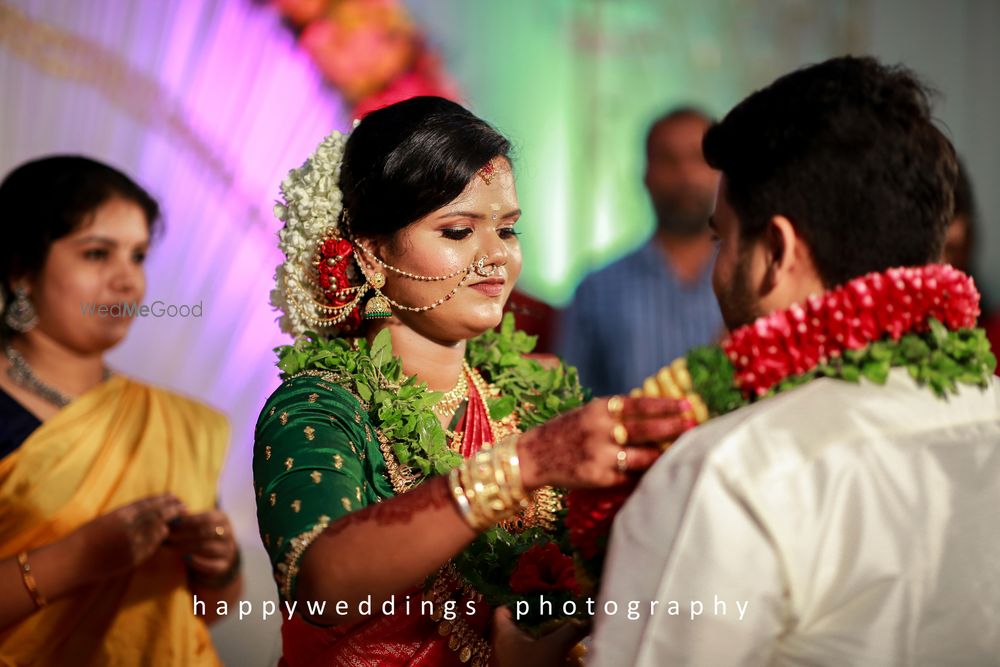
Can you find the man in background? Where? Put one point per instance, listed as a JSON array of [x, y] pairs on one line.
[[639, 313]]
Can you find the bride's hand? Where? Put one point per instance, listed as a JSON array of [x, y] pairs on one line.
[[597, 445], [511, 646]]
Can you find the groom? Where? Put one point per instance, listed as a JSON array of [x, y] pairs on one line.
[[836, 523]]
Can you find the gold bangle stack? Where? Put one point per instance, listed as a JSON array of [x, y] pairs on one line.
[[487, 488], [29, 580]]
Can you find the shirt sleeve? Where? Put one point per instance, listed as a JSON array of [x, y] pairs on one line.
[[697, 567], [309, 469]]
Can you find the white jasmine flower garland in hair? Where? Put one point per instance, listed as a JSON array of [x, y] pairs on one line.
[[311, 205]]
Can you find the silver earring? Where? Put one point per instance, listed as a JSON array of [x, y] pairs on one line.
[[21, 316]]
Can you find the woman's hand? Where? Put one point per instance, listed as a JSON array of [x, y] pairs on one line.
[[207, 541], [511, 646], [126, 537], [597, 445]]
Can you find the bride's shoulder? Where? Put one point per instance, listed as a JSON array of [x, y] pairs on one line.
[[311, 391]]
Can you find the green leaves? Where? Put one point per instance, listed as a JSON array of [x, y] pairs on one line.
[[533, 392], [712, 377], [363, 390], [943, 359], [381, 348], [500, 407], [939, 359]]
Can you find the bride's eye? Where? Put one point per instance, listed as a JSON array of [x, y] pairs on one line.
[[456, 234], [508, 233]]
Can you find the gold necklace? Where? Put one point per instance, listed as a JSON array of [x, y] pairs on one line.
[[453, 397]]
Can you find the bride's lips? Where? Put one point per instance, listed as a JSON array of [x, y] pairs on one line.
[[490, 286]]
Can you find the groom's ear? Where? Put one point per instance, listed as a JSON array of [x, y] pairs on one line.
[[790, 270], [783, 248]]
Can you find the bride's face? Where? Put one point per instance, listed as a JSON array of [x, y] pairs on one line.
[[479, 223]]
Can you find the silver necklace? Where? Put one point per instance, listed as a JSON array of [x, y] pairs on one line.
[[22, 375]]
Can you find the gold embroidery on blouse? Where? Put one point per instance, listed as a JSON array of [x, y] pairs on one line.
[[289, 462], [281, 540], [346, 502], [310, 432], [338, 461], [273, 498], [296, 505], [324, 386], [289, 569], [357, 417], [403, 478], [357, 492], [283, 417], [267, 540], [260, 491], [267, 452], [316, 476], [312, 397], [271, 413], [368, 433]]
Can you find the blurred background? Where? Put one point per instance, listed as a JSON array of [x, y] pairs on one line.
[[208, 103]]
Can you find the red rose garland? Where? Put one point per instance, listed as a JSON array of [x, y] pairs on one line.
[[850, 317], [544, 568], [589, 513], [795, 341]]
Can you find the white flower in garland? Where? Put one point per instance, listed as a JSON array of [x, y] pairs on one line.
[[310, 207]]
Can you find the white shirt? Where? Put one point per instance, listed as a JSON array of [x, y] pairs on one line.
[[856, 524]]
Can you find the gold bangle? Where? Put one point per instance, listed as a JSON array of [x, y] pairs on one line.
[[506, 452], [29, 580], [458, 492], [487, 487]]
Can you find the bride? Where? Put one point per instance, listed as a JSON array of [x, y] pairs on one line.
[[368, 484]]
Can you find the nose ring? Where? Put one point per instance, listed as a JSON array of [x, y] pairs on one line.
[[482, 269]]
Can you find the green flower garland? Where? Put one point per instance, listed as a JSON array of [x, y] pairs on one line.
[[939, 359], [401, 409]]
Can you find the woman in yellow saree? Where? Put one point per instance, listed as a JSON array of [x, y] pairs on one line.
[[401, 251], [108, 518]]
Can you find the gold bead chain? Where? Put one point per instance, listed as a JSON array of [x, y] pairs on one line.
[[432, 306], [407, 274]]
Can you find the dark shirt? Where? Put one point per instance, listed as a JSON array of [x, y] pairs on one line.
[[16, 424]]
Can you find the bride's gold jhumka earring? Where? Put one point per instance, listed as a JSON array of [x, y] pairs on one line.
[[377, 306]]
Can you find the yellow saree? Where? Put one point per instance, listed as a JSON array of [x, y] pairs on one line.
[[116, 444]]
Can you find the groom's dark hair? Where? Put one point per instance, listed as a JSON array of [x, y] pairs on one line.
[[847, 150]]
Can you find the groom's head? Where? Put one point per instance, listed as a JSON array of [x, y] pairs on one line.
[[831, 172]]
